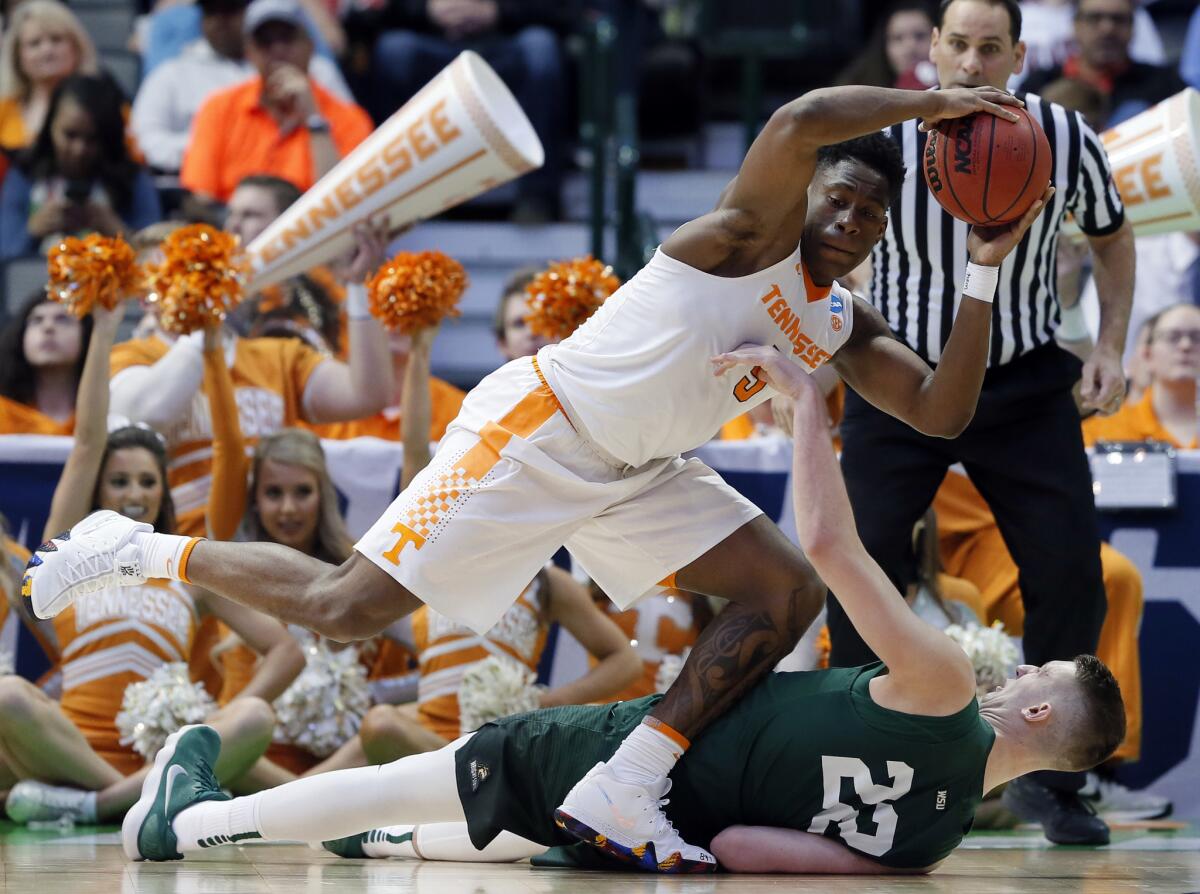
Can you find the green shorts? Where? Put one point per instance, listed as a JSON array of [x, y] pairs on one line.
[[514, 773]]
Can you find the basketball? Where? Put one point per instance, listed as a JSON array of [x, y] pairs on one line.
[[986, 170]]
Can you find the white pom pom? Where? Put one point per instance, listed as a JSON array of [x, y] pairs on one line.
[[325, 705], [159, 705], [992, 652], [669, 668], [493, 688]]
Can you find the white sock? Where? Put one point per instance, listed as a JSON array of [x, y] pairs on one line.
[[87, 808], [447, 841], [163, 554], [212, 823], [648, 753], [392, 841], [331, 805]]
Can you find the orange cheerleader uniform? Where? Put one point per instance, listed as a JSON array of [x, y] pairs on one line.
[[447, 650], [269, 376], [387, 424], [113, 638], [658, 625]]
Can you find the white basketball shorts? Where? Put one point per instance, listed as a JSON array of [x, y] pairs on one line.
[[512, 481]]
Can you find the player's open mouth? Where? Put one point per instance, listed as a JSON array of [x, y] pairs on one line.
[[133, 511]]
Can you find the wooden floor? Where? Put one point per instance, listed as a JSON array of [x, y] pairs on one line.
[[89, 861]]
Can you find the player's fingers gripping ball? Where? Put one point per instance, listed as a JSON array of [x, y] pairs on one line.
[[199, 280], [986, 170], [95, 270], [566, 293], [416, 290]]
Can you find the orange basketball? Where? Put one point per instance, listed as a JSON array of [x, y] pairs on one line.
[[986, 170]]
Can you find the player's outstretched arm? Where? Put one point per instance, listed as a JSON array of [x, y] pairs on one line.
[[930, 664], [766, 202], [771, 849], [886, 372]]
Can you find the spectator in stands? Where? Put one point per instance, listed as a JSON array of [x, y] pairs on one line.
[[171, 95], [1168, 273], [78, 176], [175, 24], [518, 40], [277, 383], [897, 52], [279, 122], [1103, 33], [1167, 409], [308, 306], [45, 43], [1189, 57], [41, 358], [1049, 37]]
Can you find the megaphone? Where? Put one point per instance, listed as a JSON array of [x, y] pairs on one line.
[[1155, 160], [460, 136]]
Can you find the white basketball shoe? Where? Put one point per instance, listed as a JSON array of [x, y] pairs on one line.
[[97, 553], [626, 821]]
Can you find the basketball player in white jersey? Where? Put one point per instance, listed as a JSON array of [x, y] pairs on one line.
[[581, 446]]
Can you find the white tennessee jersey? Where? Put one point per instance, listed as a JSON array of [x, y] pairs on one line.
[[637, 375]]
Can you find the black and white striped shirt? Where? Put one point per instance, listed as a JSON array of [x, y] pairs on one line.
[[920, 262]]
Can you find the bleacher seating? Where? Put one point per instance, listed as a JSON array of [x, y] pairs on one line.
[[18, 278]]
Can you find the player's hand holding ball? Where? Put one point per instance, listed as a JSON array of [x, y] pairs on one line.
[[958, 102], [988, 246]]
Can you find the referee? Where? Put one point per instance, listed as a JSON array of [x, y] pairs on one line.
[[1023, 449]]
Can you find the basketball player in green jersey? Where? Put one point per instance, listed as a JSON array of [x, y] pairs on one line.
[[859, 770]]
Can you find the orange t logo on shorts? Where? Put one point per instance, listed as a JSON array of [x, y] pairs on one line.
[[407, 536]]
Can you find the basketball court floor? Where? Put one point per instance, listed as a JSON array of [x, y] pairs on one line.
[[89, 860]]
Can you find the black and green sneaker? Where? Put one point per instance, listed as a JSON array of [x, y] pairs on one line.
[[352, 848], [181, 776]]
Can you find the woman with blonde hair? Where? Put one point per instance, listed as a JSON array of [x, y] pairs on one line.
[[69, 754], [44, 44]]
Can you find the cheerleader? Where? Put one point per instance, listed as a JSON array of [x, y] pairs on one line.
[[68, 754], [41, 359]]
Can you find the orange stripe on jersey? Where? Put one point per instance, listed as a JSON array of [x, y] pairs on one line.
[[426, 511]]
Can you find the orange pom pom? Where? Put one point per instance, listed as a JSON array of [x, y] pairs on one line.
[[200, 278], [416, 290], [567, 293], [93, 270]]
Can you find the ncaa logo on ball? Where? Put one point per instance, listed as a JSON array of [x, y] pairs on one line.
[[962, 146]]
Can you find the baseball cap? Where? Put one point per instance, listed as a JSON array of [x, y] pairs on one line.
[[262, 11]]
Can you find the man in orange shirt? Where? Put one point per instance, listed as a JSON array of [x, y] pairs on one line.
[[280, 122]]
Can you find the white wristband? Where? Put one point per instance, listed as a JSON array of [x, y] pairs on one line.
[[980, 282], [1073, 326], [356, 305]]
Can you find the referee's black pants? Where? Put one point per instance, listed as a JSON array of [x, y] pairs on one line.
[[1024, 452]]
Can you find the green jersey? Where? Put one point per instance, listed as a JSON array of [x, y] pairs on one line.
[[808, 751]]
